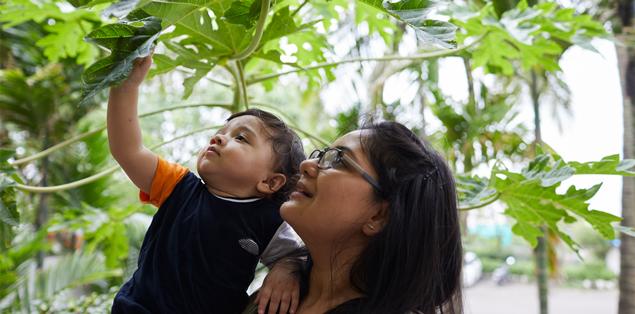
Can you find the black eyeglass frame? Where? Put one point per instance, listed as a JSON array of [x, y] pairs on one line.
[[341, 157]]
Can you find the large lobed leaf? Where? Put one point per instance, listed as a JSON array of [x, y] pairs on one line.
[[63, 38], [127, 42], [415, 14], [532, 199], [528, 36]]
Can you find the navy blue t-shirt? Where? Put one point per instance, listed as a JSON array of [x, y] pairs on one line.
[[199, 254]]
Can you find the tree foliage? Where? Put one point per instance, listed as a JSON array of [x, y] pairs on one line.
[[261, 45]]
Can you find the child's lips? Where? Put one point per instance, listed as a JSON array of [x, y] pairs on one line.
[[213, 150]]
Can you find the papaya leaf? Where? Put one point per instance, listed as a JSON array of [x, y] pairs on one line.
[[527, 231], [243, 12], [282, 24], [473, 191], [415, 14], [378, 23], [122, 8], [189, 82], [133, 41], [163, 64], [541, 169], [609, 165], [200, 22], [87, 3], [174, 12], [532, 199]]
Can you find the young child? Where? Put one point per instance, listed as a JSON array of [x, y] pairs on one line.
[[201, 249]]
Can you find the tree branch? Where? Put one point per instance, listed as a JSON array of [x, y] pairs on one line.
[[430, 55], [292, 125], [107, 172], [79, 137]]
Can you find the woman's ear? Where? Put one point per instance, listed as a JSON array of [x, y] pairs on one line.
[[377, 221], [272, 184]]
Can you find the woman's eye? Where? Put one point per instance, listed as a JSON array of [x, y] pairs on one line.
[[338, 164]]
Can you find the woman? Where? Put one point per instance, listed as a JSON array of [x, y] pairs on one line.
[[377, 212]]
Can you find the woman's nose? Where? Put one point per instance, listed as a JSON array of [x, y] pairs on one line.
[[309, 167]]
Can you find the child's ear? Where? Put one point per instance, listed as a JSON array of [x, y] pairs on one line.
[[272, 184]]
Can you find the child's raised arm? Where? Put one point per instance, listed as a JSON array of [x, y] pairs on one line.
[[124, 134]]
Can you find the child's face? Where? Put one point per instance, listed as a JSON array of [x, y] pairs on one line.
[[239, 157]]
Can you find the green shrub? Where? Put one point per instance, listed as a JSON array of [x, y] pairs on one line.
[[590, 270]]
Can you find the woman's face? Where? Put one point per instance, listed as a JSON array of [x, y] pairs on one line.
[[332, 204]]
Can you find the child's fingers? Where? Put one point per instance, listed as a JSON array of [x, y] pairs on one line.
[[295, 301]]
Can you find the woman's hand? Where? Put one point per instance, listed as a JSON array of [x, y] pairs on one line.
[[280, 289]]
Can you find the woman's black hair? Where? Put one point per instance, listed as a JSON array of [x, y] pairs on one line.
[[414, 263], [287, 148]]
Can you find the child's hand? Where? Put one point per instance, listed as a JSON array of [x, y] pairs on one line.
[[140, 69], [280, 290]]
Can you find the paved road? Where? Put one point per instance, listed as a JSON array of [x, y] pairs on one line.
[[487, 298]]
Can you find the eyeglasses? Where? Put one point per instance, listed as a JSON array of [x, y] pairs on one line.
[[331, 157]]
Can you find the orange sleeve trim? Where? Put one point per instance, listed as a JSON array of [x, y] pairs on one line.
[[166, 176]]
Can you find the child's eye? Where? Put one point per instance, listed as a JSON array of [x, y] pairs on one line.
[[241, 138]]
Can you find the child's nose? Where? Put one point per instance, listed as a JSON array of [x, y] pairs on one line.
[[217, 139]]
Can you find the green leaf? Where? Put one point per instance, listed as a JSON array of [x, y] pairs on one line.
[[243, 12], [609, 165], [189, 82], [473, 191], [414, 13], [162, 64], [541, 169], [116, 67], [529, 202], [528, 232], [378, 23], [122, 8], [282, 24]]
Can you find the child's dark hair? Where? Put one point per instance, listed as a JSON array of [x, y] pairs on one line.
[[287, 148]]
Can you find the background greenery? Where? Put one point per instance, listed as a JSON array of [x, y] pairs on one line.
[[70, 224]]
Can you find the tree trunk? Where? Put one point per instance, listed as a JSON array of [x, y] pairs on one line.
[[41, 215], [626, 62], [540, 252]]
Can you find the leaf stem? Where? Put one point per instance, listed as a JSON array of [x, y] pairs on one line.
[[430, 55], [79, 137], [104, 173], [260, 29], [292, 125], [243, 85], [494, 199], [299, 8]]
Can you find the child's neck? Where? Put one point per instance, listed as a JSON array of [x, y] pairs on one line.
[[231, 194]]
